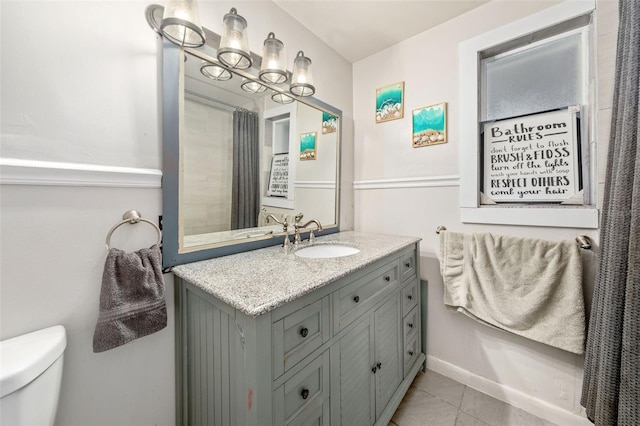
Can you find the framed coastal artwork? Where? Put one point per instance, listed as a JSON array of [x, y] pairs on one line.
[[329, 123], [430, 125], [308, 142], [390, 102]]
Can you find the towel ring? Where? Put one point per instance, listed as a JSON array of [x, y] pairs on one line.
[[131, 217]]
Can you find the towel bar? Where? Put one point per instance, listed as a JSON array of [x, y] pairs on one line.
[[583, 241], [131, 217]]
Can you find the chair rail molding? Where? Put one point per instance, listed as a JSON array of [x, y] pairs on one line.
[[15, 171], [413, 182]]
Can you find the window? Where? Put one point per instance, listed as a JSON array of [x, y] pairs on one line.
[[280, 169], [534, 69]]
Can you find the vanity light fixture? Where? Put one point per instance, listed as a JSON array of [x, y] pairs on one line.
[[252, 86], [281, 98], [178, 21], [215, 72], [234, 43], [302, 79], [273, 69], [181, 24]]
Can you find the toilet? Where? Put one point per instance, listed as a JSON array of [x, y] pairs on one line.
[[30, 377]]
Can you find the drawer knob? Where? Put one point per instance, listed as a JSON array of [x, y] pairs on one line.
[[379, 365], [304, 393], [410, 297], [387, 278], [408, 264], [356, 299], [410, 353], [374, 369], [304, 332], [410, 325]]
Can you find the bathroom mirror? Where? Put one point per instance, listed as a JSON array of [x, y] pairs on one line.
[[232, 157]]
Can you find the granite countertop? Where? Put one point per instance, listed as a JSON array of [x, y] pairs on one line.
[[258, 281]]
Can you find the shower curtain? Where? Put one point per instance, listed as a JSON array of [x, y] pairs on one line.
[[245, 201], [611, 389]]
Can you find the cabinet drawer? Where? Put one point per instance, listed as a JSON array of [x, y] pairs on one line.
[[304, 398], [410, 324], [408, 264], [409, 296], [298, 334], [411, 353], [353, 299], [314, 416]]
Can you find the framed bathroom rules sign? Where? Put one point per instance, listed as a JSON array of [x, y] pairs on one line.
[[533, 158], [279, 176]]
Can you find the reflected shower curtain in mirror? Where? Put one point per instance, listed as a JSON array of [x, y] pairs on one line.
[[245, 201], [611, 388]]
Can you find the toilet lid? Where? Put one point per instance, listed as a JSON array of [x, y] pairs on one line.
[[23, 358]]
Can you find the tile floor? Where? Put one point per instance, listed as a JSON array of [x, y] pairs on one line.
[[436, 400]]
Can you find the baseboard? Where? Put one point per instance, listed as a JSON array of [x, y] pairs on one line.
[[504, 393]]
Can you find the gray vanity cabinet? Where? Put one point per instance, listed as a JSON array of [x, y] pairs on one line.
[[344, 354], [368, 368]]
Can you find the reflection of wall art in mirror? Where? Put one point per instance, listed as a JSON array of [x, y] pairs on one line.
[[329, 123], [279, 176], [390, 102], [308, 146], [430, 125]]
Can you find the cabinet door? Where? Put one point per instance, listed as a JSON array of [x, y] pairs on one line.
[[352, 377], [388, 351]]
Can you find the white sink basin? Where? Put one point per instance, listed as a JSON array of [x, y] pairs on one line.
[[325, 251]]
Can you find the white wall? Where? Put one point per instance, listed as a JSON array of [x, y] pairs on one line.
[[410, 191], [80, 85], [312, 191]]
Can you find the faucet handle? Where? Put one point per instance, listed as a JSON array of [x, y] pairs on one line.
[[297, 218]]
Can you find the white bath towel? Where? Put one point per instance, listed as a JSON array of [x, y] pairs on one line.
[[529, 287]]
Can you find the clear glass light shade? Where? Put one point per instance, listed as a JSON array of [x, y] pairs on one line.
[[281, 98], [181, 24], [215, 72], [234, 43], [252, 86], [273, 69], [302, 79]]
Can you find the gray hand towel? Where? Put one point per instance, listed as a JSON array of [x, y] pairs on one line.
[[132, 301]]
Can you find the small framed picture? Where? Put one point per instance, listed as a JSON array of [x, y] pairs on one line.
[[329, 123], [430, 125], [308, 144], [390, 102]]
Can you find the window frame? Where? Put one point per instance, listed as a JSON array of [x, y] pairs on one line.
[[470, 52]]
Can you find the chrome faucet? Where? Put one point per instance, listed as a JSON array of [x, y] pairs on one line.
[[297, 227], [285, 227], [284, 223]]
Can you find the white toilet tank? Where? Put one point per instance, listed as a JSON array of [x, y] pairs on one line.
[[30, 377]]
